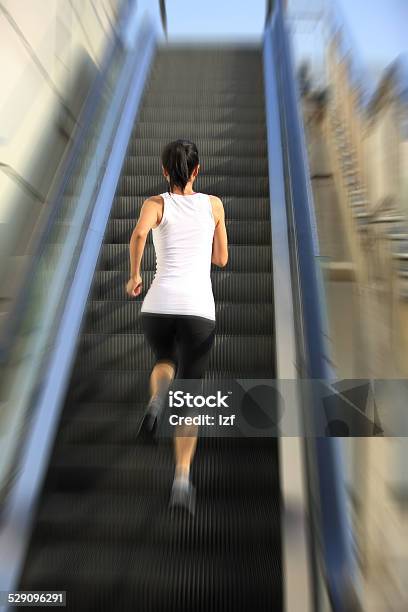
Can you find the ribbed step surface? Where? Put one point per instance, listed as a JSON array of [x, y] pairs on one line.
[[123, 317], [219, 165], [239, 232], [203, 114], [103, 532], [128, 352], [243, 287], [193, 98], [242, 257], [198, 130], [210, 183], [207, 146], [236, 207]]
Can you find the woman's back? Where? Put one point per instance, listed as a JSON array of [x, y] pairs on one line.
[[183, 245]]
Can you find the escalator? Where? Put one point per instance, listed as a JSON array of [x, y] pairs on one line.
[[103, 532]]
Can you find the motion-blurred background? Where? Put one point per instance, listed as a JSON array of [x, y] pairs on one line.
[[351, 69]]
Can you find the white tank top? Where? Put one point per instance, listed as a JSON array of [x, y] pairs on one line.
[[183, 245]]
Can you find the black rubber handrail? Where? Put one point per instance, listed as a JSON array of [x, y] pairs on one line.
[[163, 15], [269, 9]]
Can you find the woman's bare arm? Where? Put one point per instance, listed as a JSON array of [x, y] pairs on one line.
[[148, 218], [220, 240]]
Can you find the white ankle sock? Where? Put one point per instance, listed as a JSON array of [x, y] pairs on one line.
[[181, 478]]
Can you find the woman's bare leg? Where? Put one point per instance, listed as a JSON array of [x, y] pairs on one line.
[[185, 443], [161, 378], [183, 492]]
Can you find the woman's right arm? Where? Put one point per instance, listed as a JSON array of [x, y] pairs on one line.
[[220, 241], [147, 220]]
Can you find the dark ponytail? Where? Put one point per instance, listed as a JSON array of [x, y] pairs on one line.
[[179, 158]]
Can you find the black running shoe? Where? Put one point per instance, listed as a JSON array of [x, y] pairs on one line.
[[148, 424]]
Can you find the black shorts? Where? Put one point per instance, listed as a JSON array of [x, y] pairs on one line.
[[183, 340]]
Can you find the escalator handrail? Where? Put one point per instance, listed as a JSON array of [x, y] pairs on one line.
[[314, 359], [163, 15], [61, 181]]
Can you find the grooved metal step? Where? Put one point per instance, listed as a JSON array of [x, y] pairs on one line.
[[236, 207], [215, 165], [206, 146], [115, 577], [202, 113], [128, 352], [242, 258], [239, 287], [123, 317], [134, 463], [114, 524], [210, 86], [194, 98], [212, 184], [193, 130], [119, 231]]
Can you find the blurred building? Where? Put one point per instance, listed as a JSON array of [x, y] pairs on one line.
[[356, 121], [50, 56]]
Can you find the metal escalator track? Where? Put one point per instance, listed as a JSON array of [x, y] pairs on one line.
[[103, 532]]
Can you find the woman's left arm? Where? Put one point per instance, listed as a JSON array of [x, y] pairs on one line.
[[148, 218]]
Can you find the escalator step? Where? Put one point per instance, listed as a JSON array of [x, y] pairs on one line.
[[100, 413], [216, 165], [123, 317], [195, 99], [108, 387], [206, 146], [129, 352], [212, 184], [226, 114], [117, 466], [210, 68], [241, 258], [69, 517], [235, 207], [117, 431], [205, 79], [240, 287], [124, 578], [201, 53], [215, 86], [119, 231], [193, 130]]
